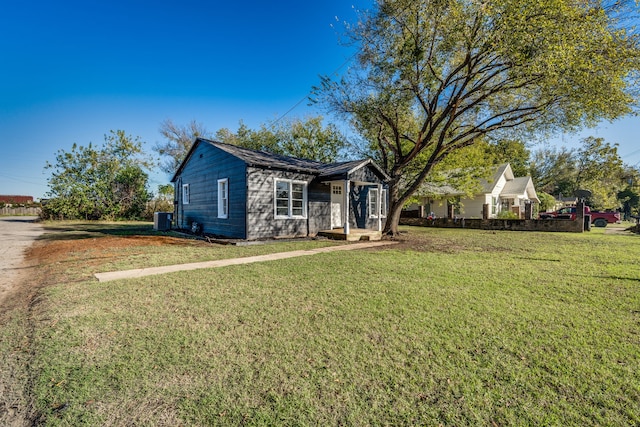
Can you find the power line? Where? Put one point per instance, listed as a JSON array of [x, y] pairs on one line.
[[632, 153], [335, 72], [273, 123], [13, 178]]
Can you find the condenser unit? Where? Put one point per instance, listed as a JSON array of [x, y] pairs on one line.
[[162, 221]]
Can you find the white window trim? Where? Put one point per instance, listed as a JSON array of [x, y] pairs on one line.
[[290, 215], [383, 200], [186, 194], [373, 210], [223, 198]]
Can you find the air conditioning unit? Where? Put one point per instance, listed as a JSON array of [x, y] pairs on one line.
[[162, 221]]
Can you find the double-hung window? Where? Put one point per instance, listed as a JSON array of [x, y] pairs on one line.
[[223, 198], [290, 199], [185, 194], [373, 203]]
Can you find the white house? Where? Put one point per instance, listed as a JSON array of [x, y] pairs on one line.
[[502, 192]]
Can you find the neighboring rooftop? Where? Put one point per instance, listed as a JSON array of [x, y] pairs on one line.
[[15, 199]]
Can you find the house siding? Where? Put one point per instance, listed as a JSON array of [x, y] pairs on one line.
[[319, 196], [472, 208], [206, 166], [261, 220], [359, 215]]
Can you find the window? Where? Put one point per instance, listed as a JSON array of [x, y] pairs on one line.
[[290, 199], [185, 194], [373, 203], [223, 198], [494, 205]]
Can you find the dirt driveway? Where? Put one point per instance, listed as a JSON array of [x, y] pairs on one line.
[[17, 233]]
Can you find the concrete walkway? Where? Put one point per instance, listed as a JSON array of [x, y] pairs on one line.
[[141, 272]]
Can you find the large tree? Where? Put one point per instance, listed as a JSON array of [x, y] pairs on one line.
[[553, 170], [106, 182], [433, 77], [513, 152], [307, 138], [601, 171], [595, 166]]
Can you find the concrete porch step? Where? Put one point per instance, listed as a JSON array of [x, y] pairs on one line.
[[354, 235]]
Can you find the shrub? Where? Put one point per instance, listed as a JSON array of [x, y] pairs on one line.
[[508, 215]]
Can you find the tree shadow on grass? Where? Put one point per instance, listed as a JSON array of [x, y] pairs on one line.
[[634, 279], [25, 219]]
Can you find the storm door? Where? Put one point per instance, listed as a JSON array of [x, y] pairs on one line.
[[337, 205]]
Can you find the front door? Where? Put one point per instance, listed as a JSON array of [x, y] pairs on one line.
[[337, 202]]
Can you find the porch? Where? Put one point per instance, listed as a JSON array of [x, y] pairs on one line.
[[357, 201], [354, 234]]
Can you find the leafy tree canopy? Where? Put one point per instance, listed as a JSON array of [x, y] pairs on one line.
[[510, 151], [594, 166], [303, 138], [547, 201], [553, 170], [165, 192], [107, 182], [433, 77]]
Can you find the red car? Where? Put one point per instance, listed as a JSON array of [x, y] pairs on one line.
[[598, 219]]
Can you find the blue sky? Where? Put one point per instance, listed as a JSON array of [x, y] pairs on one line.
[[73, 70]]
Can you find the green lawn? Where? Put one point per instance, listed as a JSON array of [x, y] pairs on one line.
[[461, 327]]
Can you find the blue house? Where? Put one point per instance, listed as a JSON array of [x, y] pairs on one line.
[[234, 192]]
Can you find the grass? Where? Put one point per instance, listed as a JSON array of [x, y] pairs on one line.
[[458, 327]]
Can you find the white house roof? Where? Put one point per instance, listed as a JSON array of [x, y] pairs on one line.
[[519, 187], [503, 169]]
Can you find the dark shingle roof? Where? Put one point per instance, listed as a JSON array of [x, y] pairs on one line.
[[277, 161], [265, 159]]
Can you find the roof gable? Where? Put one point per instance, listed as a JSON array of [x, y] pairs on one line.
[[520, 186], [504, 170], [344, 170]]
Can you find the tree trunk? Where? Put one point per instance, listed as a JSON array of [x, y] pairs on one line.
[[395, 208], [393, 219]]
